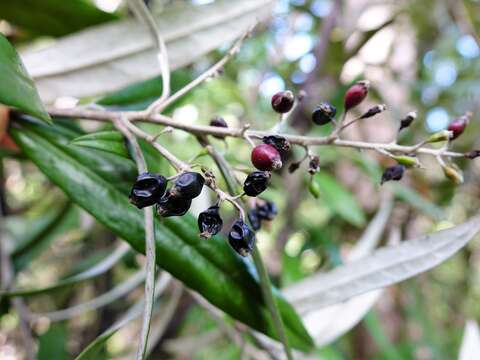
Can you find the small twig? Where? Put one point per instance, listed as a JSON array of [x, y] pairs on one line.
[[142, 12], [159, 106], [122, 126]]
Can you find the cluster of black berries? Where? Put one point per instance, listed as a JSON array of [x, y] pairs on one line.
[[263, 211], [151, 189]]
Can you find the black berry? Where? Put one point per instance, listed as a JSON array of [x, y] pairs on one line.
[[254, 219], [278, 142], [209, 222], [407, 120], [266, 211], [170, 205], [394, 173], [188, 185], [241, 238], [282, 102], [147, 189], [218, 121], [323, 113], [256, 183]]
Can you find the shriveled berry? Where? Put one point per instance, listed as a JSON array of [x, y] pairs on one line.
[[241, 238], [218, 122], [265, 157], [282, 102], [407, 120], [188, 185], [266, 211], [278, 142], [457, 126], [293, 167], [323, 113], [314, 165], [356, 94], [472, 154], [254, 219], [394, 173], [209, 222], [170, 205], [147, 189], [377, 109], [256, 183]]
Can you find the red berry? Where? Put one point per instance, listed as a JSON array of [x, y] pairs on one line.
[[355, 94], [266, 158], [282, 102], [457, 126]]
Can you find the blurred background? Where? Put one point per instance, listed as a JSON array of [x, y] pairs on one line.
[[418, 55]]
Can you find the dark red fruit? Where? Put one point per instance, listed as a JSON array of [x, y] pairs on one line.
[[323, 113], [209, 222], [282, 102], [218, 121], [394, 173], [256, 183], [170, 205], [457, 126], [266, 158], [356, 94], [241, 238], [188, 185], [147, 190]]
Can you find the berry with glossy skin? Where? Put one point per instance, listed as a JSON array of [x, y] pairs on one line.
[[170, 205], [282, 102], [256, 183], [394, 173], [209, 222], [266, 211], [356, 94], [254, 219], [147, 189], [218, 121], [323, 113], [266, 158], [188, 185], [241, 238], [457, 126], [278, 142]]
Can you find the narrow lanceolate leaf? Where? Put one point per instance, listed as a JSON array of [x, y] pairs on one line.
[[386, 266], [109, 141], [208, 267], [16, 86], [110, 56]]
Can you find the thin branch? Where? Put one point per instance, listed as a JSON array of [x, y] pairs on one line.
[[122, 126], [143, 14], [212, 71]]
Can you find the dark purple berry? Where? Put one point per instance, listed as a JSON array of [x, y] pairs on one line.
[[209, 222], [170, 205], [254, 219], [241, 238], [314, 165], [407, 120], [266, 211], [356, 94], [323, 113], [188, 185], [256, 183], [147, 189], [265, 157], [278, 142], [218, 121], [282, 102], [394, 173]]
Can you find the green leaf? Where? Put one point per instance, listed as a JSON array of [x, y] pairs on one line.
[[339, 200], [53, 344], [208, 267], [53, 17], [17, 88], [109, 141]]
